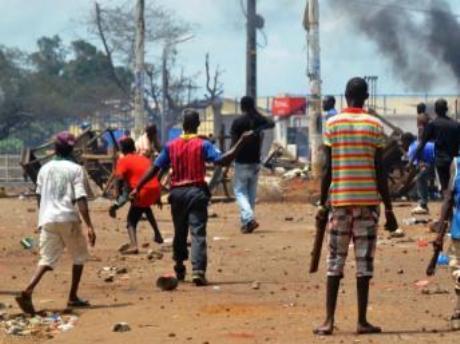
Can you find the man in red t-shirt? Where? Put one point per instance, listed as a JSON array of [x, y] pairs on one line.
[[189, 196], [129, 171]]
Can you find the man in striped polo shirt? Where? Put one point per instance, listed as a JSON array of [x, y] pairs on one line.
[[355, 183], [189, 196]]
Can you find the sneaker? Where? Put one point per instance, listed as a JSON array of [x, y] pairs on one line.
[[420, 210], [180, 271], [249, 227], [199, 279]]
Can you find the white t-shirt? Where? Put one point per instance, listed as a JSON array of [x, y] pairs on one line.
[[60, 183]]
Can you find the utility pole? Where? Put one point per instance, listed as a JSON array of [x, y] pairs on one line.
[[311, 25], [165, 87], [251, 49], [139, 111]]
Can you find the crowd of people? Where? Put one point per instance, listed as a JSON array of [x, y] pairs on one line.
[[353, 185]]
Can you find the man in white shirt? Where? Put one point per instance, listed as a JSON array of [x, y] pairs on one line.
[[148, 144], [61, 185]]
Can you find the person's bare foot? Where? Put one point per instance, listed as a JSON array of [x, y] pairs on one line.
[[24, 302], [367, 328], [324, 330]]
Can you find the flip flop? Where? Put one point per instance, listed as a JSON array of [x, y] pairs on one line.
[[78, 303], [368, 330], [24, 302], [323, 332]]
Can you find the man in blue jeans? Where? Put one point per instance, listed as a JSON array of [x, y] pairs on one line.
[[247, 162], [426, 170]]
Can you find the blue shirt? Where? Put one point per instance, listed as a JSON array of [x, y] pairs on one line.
[[427, 156], [330, 113], [210, 153]]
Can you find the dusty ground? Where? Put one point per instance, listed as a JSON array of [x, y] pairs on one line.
[[287, 306]]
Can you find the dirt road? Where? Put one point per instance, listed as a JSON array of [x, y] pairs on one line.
[[284, 309]]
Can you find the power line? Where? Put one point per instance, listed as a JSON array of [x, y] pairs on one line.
[[404, 8]]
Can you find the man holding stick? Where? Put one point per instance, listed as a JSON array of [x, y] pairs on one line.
[[450, 213], [355, 183]]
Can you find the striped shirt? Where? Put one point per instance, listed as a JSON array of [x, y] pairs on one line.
[[354, 137]]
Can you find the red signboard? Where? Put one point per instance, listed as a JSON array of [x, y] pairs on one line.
[[288, 106]]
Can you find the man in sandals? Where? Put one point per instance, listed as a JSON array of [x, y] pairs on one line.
[[130, 169], [61, 185], [189, 196], [355, 182]]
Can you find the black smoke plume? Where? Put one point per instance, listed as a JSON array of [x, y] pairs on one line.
[[418, 45]]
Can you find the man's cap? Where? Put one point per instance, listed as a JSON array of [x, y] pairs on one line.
[[66, 138]]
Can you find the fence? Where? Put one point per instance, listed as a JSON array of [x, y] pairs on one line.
[[10, 170]]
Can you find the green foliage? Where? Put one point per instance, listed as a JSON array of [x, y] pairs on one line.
[[52, 87]]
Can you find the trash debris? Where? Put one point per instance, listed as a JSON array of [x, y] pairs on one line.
[[124, 247], [154, 255], [218, 238], [167, 282], [422, 283], [216, 288], [121, 271], [411, 221], [399, 233], [437, 291], [422, 243], [255, 285], [27, 243], [40, 325], [443, 259], [121, 327]]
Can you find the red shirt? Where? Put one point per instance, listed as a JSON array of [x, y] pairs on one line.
[[187, 162], [131, 168]]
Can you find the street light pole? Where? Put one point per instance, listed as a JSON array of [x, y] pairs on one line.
[[311, 24], [251, 49]]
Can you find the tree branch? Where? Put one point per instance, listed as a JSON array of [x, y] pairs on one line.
[[107, 50]]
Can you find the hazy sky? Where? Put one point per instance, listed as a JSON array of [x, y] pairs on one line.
[[220, 31]]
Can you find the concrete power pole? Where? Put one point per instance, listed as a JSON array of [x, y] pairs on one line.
[[139, 110], [165, 87], [251, 49], [311, 24]]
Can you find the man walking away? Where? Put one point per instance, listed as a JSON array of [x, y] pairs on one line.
[[445, 133], [61, 184], [129, 171], [422, 119], [189, 196], [425, 167], [329, 107], [355, 181], [247, 162], [148, 144]]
